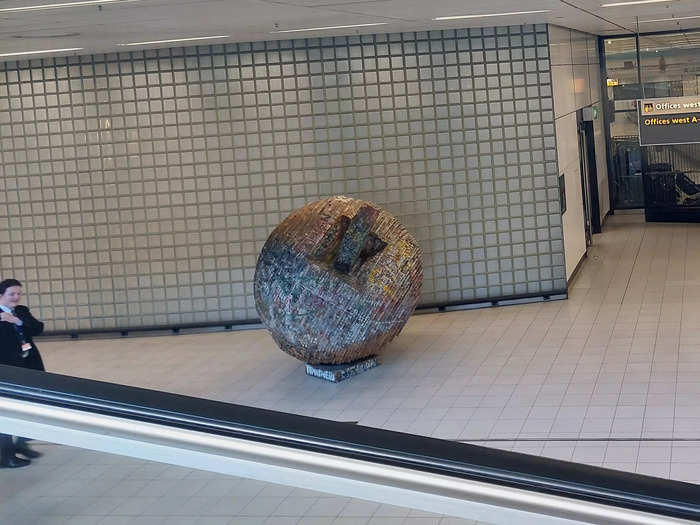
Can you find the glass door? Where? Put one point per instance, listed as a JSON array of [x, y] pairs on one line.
[[623, 89]]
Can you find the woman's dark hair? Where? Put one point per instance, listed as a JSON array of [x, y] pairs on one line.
[[8, 283]]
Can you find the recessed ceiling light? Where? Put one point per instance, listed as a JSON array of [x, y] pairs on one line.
[[171, 40], [42, 51], [327, 27], [634, 2], [669, 19], [61, 5], [487, 15]]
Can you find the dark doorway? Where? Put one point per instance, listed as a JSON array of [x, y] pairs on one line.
[[589, 174]]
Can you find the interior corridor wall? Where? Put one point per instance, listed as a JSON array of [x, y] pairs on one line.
[[576, 84], [141, 186]]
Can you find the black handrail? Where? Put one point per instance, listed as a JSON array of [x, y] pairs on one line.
[[572, 480]]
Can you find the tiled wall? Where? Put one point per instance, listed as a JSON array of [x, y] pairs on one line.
[[140, 187], [576, 82]]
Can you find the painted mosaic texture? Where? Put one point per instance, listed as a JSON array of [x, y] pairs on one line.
[[337, 280]]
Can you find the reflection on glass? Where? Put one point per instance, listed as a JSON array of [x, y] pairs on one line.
[[670, 64], [73, 486], [621, 67], [670, 68]]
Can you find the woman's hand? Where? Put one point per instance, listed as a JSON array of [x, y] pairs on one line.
[[9, 318]]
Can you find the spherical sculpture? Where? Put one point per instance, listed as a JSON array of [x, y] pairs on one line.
[[337, 280]]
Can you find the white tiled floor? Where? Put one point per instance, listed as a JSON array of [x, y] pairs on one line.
[[608, 377]]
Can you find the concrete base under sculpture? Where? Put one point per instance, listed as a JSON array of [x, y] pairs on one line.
[[336, 373]]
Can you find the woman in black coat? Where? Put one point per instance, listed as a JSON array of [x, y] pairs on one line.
[[17, 348]]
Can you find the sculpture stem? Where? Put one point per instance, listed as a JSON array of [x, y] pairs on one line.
[[354, 240]]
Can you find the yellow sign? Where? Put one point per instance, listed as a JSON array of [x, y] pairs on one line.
[[669, 121], [613, 82]]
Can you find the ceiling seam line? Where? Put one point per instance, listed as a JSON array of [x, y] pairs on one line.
[[597, 16]]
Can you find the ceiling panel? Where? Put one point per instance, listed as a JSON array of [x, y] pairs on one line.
[[99, 29]]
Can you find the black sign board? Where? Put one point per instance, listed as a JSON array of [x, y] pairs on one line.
[[669, 121]]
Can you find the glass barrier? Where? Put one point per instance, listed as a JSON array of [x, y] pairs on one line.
[[623, 90], [621, 68], [670, 64], [346, 461], [503, 379]]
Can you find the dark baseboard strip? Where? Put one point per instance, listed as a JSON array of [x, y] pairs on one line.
[[488, 302], [577, 440], [255, 324], [247, 324]]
